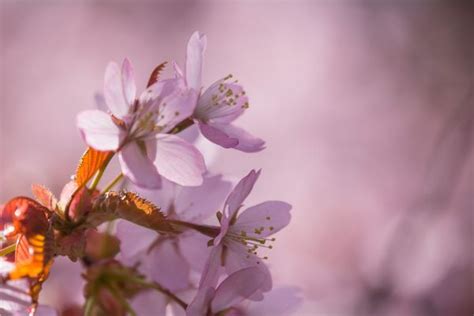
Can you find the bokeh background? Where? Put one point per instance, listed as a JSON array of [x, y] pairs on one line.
[[366, 106]]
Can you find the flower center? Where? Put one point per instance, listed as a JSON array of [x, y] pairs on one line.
[[252, 242], [222, 94]]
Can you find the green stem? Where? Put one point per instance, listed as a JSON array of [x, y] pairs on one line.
[[7, 250], [161, 289], [122, 300], [113, 183], [168, 293], [99, 175], [89, 305], [209, 231]]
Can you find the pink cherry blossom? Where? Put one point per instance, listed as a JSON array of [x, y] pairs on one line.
[[221, 104], [242, 236], [137, 128], [150, 302], [237, 287], [169, 260]]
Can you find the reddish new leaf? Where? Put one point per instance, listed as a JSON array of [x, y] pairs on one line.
[[90, 163], [33, 260], [155, 75], [22, 251], [44, 196], [35, 244], [133, 208]]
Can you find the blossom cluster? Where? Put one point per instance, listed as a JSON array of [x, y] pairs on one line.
[[156, 246]]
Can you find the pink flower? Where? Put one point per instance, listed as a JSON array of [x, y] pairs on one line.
[[169, 260], [221, 104], [233, 290], [241, 236], [137, 129]]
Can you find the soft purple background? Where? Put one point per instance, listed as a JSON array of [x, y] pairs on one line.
[[366, 107]]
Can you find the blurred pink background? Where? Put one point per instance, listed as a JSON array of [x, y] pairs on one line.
[[367, 109]]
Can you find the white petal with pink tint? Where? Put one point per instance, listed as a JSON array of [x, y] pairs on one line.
[[99, 131], [133, 240], [178, 160], [195, 204], [113, 91], [200, 304], [176, 107], [222, 102], [149, 303], [194, 59], [138, 167], [217, 136], [238, 258], [271, 215], [168, 267], [236, 288], [240, 193], [212, 268], [246, 142], [194, 248], [128, 82]]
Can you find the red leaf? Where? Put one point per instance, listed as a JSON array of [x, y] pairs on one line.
[[133, 208], [90, 163], [44, 196], [156, 74]]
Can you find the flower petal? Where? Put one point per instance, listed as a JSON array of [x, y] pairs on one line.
[[190, 134], [222, 102], [271, 215], [152, 98], [194, 248], [239, 194], [149, 303], [212, 268], [113, 91], [200, 304], [237, 258], [217, 136], [134, 239], [138, 167], [236, 288], [99, 131], [178, 160], [194, 59], [194, 204], [168, 267], [247, 142], [176, 107], [128, 82]]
